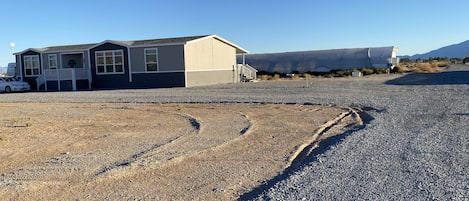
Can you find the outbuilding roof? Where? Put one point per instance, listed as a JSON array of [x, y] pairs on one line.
[[134, 43]]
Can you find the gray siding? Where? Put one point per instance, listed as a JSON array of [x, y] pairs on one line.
[[170, 58], [45, 59]]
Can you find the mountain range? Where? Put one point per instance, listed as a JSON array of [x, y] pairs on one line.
[[459, 50]]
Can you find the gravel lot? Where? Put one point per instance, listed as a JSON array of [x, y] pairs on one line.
[[415, 146]]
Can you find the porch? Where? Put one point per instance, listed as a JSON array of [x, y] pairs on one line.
[[247, 72], [62, 79]]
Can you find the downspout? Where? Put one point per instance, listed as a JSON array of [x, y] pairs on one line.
[[21, 65], [241, 75], [185, 63], [233, 74], [90, 76], [42, 63], [130, 64], [43, 73], [58, 70]]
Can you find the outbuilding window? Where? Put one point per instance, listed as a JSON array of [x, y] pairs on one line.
[[151, 59], [109, 62], [31, 65]]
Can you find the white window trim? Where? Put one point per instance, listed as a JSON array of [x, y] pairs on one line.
[[157, 60], [32, 68], [50, 59], [113, 64]]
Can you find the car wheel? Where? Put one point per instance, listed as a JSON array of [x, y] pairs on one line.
[[7, 89]]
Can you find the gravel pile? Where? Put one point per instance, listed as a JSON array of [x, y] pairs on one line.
[[415, 148]]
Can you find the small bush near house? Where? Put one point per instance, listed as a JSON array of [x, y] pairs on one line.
[[340, 73], [381, 70], [466, 59], [276, 77], [397, 69], [367, 71], [443, 64], [296, 77], [426, 67], [264, 77], [307, 76]]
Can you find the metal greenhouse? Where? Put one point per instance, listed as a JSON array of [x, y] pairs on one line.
[[325, 60]]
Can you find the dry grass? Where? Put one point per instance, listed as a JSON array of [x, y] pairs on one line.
[[426, 67], [429, 67], [263, 77], [276, 77], [269, 77], [5, 138]]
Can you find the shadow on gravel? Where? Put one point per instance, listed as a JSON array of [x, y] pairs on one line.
[[443, 78], [324, 146]]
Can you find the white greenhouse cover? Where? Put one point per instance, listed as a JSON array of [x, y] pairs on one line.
[[323, 60]]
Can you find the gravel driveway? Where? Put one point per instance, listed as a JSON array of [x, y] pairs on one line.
[[415, 146]]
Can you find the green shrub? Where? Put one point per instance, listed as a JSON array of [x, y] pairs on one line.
[[381, 70], [276, 77], [397, 69], [264, 77], [296, 77], [340, 73], [443, 64], [367, 71]]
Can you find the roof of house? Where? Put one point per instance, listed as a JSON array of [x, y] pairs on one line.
[[162, 40], [134, 43], [64, 48]]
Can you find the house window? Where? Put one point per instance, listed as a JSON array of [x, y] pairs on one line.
[[110, 62], [52, 61], [151, 59], [31, 65]]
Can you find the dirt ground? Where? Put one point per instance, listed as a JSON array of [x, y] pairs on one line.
[[77, 151]]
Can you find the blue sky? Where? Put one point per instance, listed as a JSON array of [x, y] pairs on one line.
[[260, 26]]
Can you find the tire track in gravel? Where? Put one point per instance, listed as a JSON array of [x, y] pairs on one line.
[[322, 138], [312, 143], [236, 166], [60, 168], [162, 153], [147, 153]]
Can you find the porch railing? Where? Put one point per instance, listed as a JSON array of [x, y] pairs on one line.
[[58, 75], [247, 72]]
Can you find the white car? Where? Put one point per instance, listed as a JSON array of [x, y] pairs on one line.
[[9, 84]]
